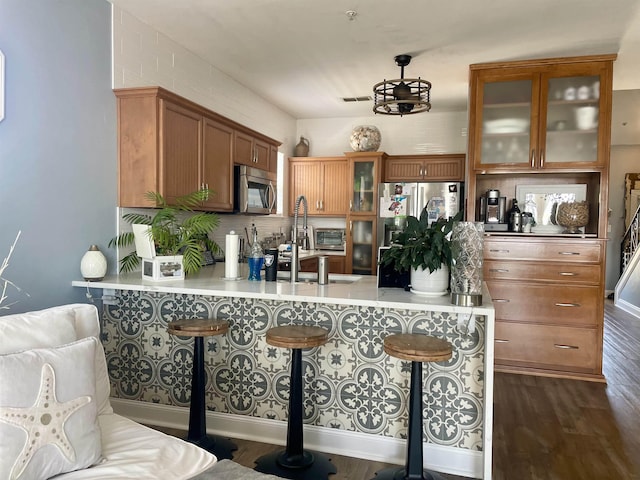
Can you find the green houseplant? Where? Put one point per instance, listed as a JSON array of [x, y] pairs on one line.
[[422, 246], [175, 230]]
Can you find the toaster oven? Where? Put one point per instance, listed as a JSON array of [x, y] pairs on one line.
[[329, 238]]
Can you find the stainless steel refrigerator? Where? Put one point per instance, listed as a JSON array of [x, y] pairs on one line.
[[398, 200]]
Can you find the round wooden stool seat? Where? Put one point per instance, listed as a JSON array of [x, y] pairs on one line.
[[297, 336], [417, 347], [198, 327]]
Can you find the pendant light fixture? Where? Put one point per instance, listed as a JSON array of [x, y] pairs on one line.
[[403, 96]]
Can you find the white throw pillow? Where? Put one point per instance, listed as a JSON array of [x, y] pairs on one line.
[[48, 411], [42, 329]]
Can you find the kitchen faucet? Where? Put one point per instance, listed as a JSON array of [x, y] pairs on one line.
[[294, 236]]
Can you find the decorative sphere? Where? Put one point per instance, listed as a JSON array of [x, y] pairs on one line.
[[365, 138]]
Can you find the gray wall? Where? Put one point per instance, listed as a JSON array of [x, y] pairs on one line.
[[57, 145]]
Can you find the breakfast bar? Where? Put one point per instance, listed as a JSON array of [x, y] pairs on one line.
[[355, 394]]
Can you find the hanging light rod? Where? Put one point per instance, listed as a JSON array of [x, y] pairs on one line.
[[403, 96]]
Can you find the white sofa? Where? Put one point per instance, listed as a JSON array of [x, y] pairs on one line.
[[55, 414]]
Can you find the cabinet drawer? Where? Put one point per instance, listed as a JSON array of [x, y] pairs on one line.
[[577, 273], [543, 250], [543, 346], [551, 304]]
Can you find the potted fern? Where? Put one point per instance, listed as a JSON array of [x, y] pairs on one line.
[[424, 250], [174, 231]]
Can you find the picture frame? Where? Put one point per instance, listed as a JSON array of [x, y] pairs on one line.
[[542, 202]]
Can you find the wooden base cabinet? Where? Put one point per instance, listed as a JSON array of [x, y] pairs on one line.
[[549, 300]]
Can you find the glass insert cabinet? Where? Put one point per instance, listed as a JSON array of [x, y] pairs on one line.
[[539, 118]]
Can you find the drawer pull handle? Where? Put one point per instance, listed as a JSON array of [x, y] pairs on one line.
[[500, 340], [499, 270], [567, 304], [569, 253], [501, 300], [566, 347], [568, 274], [498, 251]]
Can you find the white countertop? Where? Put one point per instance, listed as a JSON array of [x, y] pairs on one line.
[[362, 290]]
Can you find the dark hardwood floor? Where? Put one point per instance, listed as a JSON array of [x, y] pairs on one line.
[[548, 428]]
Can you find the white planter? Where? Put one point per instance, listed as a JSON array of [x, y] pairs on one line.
[[164, 267], [430, 284]]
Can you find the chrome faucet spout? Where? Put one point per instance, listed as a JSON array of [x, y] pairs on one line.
[[294, 237]]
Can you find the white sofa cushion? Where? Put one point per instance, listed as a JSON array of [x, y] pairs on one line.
[[48, 411], [58, 326]]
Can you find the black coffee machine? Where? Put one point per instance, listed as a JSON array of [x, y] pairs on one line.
[[493, 211]]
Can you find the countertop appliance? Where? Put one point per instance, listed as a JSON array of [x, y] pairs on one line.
[[330, 239], [398, 200], [254, 190]]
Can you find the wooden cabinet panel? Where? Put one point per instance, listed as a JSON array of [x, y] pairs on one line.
[[336, 264], [181, 147], [323, 182], [544, 250], [250, 151], [547, 272], [217, 167], [420, 168], [539, 303], [309, 265], [549, 347], [335, 192]]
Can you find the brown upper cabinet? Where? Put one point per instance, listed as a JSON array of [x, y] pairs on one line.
[[170, 145], [323, 182], [541, 115], [424, 168], [253, 152]]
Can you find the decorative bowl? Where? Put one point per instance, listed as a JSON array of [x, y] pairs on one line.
[[365, 138], [573, 216]]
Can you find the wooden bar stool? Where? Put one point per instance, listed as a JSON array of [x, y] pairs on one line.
[[416, 348], [198, 328], [294, 462]]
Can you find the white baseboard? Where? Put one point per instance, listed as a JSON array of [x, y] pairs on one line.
[[628, 307], [456, 461]]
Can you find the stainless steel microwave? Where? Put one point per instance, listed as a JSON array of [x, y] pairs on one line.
[[254, 190], [329, 238]]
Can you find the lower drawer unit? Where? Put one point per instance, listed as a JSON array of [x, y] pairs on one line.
[[547, 347], [534, 303], [577, 273]]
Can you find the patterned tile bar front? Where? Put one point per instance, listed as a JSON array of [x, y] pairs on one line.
[[350, 383]]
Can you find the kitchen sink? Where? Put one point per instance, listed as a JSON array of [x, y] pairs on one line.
[[312, 277]]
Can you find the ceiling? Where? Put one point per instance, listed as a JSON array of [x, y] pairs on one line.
[[306, 55]]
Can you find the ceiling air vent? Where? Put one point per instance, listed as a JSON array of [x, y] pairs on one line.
[[357, 99]]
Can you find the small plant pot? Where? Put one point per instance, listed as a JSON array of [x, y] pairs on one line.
[[432, 284]]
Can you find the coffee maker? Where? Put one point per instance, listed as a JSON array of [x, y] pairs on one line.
[[493, 210]]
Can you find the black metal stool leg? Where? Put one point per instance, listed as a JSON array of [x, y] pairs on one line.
[[413, 469], [221, 447], [295, 462]]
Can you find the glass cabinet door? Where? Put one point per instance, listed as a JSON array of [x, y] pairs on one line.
[[363, 187], [506, 129], [572, 120], [362, 256]]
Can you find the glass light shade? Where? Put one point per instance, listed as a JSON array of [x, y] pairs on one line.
[[93, 265], [466, 267]]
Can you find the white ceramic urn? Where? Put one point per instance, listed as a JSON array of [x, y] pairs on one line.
[[93, 265]]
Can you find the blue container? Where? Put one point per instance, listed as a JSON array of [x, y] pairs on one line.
[[255, 265]]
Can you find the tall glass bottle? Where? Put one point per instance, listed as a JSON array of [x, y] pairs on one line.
[[256, 257]]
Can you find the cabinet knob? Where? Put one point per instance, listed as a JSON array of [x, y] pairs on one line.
[[501, 300], [567, 274], [566, 347], [565, 304], [568, 253], [501, 340], [499, 270]]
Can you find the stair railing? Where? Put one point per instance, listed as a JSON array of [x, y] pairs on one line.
[[630, 241]]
